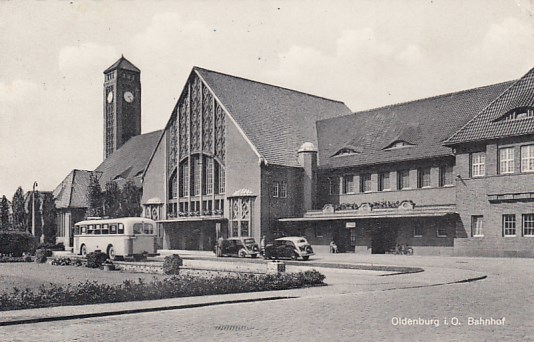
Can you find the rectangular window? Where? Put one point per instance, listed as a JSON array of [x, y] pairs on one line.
[[208, 176], [417, 231], [527, 158], [423, 178], [478, 164], [348, 184], [353, 237], [276, 189], [113, 229], [184, 179], [365, 182], [508, 225], [445, 175], [283, 189], [121, 228], [333, 186], [196, 168], [105, 228], [235, 228], [528, 225], [97, 229], [506, 160], [403, 179], [383, 181], [476, 226]]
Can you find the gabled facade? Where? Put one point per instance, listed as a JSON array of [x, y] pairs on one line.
[[495, 169], [226, 163]]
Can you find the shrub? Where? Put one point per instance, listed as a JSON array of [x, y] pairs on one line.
[[91, 292], [41, 255], [172, 264], [66, 262], [26, 258], [96, 259], [52, 246], [16, 243]]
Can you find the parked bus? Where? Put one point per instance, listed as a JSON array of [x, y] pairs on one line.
[[118, 238]]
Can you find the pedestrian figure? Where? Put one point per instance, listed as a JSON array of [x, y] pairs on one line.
[[262, 245], [220, 243], [333, 247]]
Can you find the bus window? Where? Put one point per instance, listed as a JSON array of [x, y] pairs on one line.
[[97, 229], [105, 229], [138, 228], [90, 229], [83, 229], [113, 229], [148, 228], [121, 228]]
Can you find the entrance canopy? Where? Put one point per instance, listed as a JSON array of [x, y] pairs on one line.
[[329, 213]]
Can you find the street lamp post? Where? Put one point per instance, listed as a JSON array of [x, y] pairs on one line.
[[33, 208]]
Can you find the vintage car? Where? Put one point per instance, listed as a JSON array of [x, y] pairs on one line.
[[241, 247], [290, 247]]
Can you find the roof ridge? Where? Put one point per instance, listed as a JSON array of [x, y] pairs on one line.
[[422, 99], [268, 84], [483, 109]]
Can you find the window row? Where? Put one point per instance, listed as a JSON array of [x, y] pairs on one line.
[[200, 175], [347, 185], [280, 189], [506, 161], [509, 225], [441, 231]]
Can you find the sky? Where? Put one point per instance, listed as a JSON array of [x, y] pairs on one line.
[[364, 53]]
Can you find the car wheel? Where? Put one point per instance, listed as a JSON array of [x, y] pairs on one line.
[[305, 257], [111, 252], [83, 251], [242, 253]]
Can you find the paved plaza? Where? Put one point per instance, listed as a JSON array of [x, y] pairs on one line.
[[434, 305]]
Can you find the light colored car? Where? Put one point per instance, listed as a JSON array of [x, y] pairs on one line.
[[292, 247]]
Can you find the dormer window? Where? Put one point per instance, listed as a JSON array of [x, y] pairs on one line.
[[398, 144], [345, 151], [518, 114]]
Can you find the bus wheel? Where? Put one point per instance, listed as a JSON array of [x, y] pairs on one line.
[[83, 250], [111, 252]]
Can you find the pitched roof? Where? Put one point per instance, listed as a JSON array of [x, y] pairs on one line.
[[276, 120], [486, 126], [124, 64], [130, 160], [424, 124], [71, 193]]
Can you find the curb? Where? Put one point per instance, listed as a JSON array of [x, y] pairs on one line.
[[141, 310]]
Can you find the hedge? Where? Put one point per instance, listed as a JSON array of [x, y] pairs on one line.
[[91, 292], [16, 243]]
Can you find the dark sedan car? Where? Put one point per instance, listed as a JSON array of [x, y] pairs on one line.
[[291, 247], [240, 247]]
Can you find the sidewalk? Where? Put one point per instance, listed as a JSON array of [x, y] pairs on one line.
[[341, 280]]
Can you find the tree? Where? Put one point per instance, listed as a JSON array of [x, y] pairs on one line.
[[49, 218], [112, 199], [4, 213], [94, 197], [130, 200], [19, 214]]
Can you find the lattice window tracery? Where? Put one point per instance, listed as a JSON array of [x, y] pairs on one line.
[[196, 114], [183, 109], [240, 217], [207, 121], [172, 155], [219, 133]]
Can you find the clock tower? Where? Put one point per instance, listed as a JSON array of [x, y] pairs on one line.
[[122, 104]]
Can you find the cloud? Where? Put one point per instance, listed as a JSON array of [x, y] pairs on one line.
[[86, 55]]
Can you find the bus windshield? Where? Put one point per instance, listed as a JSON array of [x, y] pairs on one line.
[[143, 228]]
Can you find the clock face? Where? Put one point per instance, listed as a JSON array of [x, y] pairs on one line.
[[110, 96], [128, 97]]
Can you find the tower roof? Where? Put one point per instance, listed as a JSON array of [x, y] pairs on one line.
[[123, 64]]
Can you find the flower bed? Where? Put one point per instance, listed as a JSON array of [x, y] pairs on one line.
[[92, 292]]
